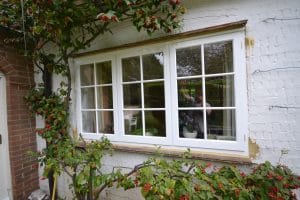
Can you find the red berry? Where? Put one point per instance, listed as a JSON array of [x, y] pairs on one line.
[[114, 18], [136, 182], [279, 177], [208, 165], [147, 187], [48, 126], [174, 2], [237, 192], [220, 186], [184, 197], [270, 175], [242, 174]]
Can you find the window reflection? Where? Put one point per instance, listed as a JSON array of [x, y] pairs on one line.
[[105, 122], [188, 89], [188, 61], [92, 117], [104, 98], [154, 95], [103, 71], [191, 124], [133, 122], [131, 69], [218, 57], [88, 98], [221, 125], [132, 95], [147, 92], [220, 91], [89, 121], [153, 66], [87, 75], [155, 123]]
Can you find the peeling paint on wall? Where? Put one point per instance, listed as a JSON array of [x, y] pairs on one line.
[[253, 149], [249, 42]]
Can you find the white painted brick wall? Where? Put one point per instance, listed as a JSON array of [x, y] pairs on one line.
[[275, 27], [273, 72]]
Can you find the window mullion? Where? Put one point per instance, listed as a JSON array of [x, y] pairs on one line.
[[203, 92], [96, 98], [119, 97], [142, 96], [174, 93], [79, 114]]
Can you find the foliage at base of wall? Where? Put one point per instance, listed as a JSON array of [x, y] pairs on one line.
[[189, 179]]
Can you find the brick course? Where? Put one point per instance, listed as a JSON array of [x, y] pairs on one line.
[[19, 74]]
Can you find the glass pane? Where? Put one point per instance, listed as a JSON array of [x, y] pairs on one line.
[[104, 97], [220, 91], [87, 74], [89, 121], [155, 123], [88, 98], [221, 125], [133, 122], [191, 124], [218, 57], [188, 61], [106, 122], [153, 66], [190, 93], [154, 95], [132, 95], [103, 71], [131, 69]]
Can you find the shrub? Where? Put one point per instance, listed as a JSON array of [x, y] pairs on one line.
[[189, 179]]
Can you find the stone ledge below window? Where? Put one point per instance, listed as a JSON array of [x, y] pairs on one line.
[[177, 152]]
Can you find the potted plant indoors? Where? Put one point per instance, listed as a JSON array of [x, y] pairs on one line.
[[188, 128]]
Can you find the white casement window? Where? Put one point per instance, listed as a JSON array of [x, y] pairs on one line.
[[184, 93]]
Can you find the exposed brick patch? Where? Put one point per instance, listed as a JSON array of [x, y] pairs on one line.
[[19, 75]]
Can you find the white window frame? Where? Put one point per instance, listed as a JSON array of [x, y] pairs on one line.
[[141, 139], [171, 98]]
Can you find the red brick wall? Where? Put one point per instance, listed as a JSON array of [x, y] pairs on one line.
[[19, 73]]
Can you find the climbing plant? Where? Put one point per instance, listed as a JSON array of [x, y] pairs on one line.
[[53, 30]]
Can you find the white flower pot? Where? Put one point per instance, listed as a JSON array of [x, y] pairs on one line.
[[188, 134]]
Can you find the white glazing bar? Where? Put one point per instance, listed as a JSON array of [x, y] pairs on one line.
[[203, 93], [153, 80], [104, 109], [154, 109], [219, 74], [207, 108], [142, 96], [96, 98], [130, 82], [206, 76], [103, 85]]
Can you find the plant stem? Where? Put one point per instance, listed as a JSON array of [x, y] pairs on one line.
[[90, 194], [54, 187]]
